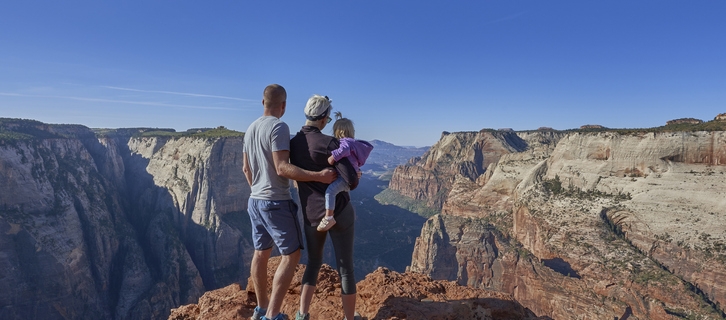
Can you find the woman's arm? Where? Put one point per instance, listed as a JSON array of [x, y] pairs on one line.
[[347, 171], [343, 165]]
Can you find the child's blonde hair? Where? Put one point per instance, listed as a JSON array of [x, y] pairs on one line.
[[343, 127]]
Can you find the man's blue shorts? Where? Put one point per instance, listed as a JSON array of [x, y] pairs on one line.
[[275, 222]]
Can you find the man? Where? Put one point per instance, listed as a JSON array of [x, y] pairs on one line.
[[272, 212]]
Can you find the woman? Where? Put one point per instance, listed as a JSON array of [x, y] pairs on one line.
[[309, 150]]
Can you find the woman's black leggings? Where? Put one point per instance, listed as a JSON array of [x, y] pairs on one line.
[[341, 234]]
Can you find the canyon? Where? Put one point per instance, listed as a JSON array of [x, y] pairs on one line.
[[130, 223], [115, 227], [594, 223], [585, 224]]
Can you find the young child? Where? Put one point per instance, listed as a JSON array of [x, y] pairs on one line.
[[356, 151]]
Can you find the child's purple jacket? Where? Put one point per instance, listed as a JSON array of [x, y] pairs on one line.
[[357, 151]]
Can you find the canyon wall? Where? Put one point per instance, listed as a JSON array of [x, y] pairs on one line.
[[570, 224], [583, 225], [116, 227], [430, 177]]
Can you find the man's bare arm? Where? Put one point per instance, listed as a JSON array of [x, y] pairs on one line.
[[246, 168], [288, 170]]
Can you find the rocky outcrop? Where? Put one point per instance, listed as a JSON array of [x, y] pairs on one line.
[[608, 224], [383, 294], [116, 227], [684, 121], [720, 117], [701, 266], [592, 126], [474, 253]]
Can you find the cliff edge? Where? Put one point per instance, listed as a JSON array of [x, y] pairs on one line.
[[383, 294]]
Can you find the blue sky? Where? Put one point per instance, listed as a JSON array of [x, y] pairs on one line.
[[403, 71]]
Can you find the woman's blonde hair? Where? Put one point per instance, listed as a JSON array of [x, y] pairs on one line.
[[343, 127]]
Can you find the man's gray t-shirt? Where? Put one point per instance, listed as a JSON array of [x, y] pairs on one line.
[[264, 136]]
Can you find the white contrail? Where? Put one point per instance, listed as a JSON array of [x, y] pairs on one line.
[[144, 103], [178, 93]]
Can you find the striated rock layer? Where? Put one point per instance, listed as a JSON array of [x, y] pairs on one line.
[[589, 225], [383, 294], [467, 154], [116, 227]]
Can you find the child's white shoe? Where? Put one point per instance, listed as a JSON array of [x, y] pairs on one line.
[[327, 223]]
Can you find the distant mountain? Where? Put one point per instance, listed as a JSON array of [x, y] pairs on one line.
[[386, 156]]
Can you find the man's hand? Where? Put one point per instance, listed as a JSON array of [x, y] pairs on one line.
[[327, 175], [291, 171]]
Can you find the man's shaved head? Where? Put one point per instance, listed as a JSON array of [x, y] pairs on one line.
[[274, 95]]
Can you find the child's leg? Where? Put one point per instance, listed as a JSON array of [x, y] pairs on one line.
[[334, 188]]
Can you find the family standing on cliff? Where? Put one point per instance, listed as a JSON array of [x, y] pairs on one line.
[[325, 169]]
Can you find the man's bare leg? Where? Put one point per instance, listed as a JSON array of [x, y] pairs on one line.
[[348, 305], [258, 272], [281, 282], [306, 296]]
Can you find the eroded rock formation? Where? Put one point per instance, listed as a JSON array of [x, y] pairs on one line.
[[592, 126], [430, 178], [684, 120], [594, 225], [116, 227]]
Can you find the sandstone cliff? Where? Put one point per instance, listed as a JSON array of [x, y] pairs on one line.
[[588, 225], [468, 154], [115, 227]]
